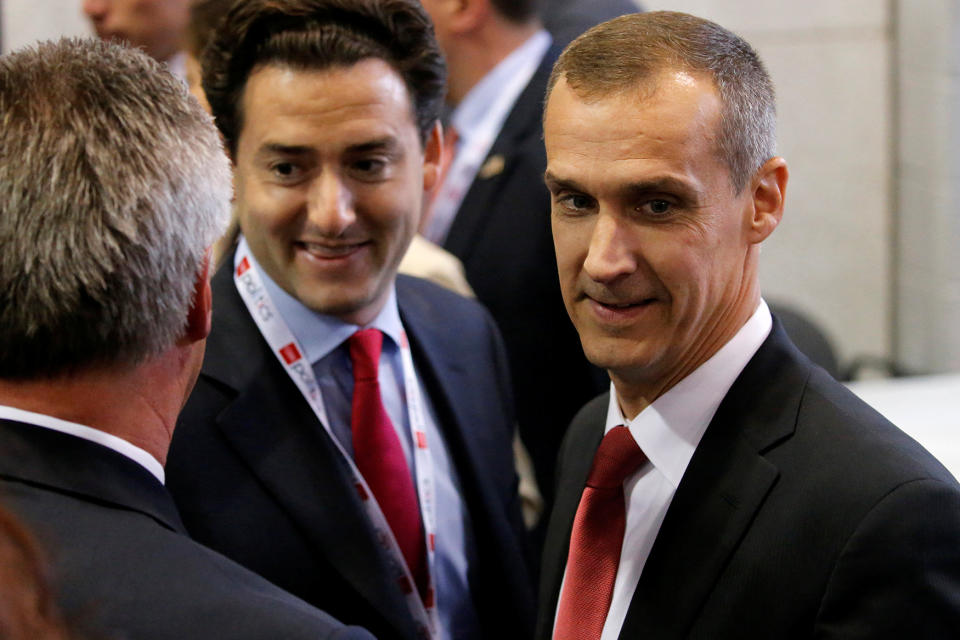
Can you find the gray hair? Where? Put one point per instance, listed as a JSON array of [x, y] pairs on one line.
[[630, 51], [113, 184]]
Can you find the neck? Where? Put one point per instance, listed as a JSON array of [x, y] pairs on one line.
[[480, 51], [637, 390], [137, 403]]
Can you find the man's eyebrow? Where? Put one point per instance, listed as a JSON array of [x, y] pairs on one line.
[[663, 184], [277, 148], [386, 143], [555, 184]]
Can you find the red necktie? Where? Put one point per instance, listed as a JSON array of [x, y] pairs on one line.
[[379, 456], [596, 539]]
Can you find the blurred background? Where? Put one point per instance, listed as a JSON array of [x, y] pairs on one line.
[[869, 121], [869, 113]]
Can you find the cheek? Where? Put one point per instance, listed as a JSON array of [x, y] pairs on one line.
[[570, 245], [392, 207]]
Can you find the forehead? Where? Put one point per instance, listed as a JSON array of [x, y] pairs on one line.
[[287, 103], [671, 128]]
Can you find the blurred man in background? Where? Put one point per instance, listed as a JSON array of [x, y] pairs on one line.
[[493, 212], [156, 26], [567, 19]]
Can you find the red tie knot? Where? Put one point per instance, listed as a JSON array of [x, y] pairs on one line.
[[365, 353], [617, 457]]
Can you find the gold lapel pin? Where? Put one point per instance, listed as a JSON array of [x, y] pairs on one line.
[[492, 167]]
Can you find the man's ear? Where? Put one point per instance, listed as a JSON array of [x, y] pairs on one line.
[[768, 188], [432, 157], [201, 308], [463, 16]]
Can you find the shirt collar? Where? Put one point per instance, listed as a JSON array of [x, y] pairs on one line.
[[669, 429], [319, 334], [121, 446], [177, 64], [499, 89]]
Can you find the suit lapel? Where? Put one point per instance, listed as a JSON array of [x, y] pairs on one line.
[[725, 484], [498, 579], [442, 372], [274, 431], [522, 124]]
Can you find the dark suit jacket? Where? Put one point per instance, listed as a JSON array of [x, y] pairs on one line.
[[567, 19], [502, 234], [122, 562], [257, 478], [803, 514]]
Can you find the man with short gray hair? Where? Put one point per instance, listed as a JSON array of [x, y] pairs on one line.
[[725, 487], [113, 185]]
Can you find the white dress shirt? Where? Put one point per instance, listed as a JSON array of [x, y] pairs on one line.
[[478, 120], [323, 339], [668, 431], [121, 446]]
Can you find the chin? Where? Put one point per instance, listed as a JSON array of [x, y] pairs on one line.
[[357, 309], [618, 354]]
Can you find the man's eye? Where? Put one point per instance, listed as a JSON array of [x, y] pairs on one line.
[[284, 169], [370, 166], [659, 206], [575, 202]]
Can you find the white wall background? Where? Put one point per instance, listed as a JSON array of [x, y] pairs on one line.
[[869, 106], [832, 255], [25, 21], [927, 234]]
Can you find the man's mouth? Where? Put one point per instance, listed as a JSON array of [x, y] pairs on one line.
[[329, 251], [618, 305]]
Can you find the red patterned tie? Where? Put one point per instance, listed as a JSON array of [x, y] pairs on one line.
[[596, 539], [379, 456]]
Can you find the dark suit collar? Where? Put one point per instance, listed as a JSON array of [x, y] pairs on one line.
[[74, 466], [231, 357]]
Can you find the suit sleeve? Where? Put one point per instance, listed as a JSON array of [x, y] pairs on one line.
[[898, 576]]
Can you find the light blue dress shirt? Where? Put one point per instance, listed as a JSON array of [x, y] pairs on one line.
[[323, 340]]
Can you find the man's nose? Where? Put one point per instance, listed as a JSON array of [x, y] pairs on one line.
[[330, 204], [610, 254], [96, 9]]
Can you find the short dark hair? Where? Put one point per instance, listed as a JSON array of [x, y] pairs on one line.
[[316, 35], [631, 51], [519, 11]]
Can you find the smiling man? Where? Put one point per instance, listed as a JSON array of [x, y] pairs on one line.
[[350, 434], [725, 487]]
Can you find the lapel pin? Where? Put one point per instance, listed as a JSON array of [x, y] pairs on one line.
[[492, 167]]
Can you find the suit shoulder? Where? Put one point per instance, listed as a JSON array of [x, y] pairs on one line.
[[128, 575], [428, 300], [856, 430]]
